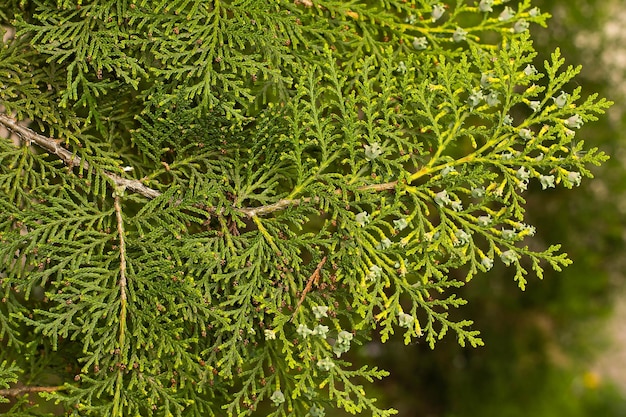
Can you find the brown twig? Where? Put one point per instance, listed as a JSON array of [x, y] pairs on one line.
[[313, 279], [120, 231], [122, 282], [284, 203], [270, 208], [387, 186], [53, 146], [17, 391]]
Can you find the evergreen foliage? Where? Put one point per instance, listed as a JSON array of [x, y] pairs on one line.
[[215, 201]]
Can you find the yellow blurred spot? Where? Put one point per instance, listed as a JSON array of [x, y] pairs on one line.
[[352, 14], [591, 380]]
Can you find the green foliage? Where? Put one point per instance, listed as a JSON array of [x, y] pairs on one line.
[[8, 374], [244, 190]]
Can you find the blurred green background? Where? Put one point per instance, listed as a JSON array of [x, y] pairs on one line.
[[559, 348]]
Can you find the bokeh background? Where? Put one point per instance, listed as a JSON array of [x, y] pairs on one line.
[[559, 348]]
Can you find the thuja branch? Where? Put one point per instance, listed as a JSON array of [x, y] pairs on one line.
[[17, 391], [53, 146]]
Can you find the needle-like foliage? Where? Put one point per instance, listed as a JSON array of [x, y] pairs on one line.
[[207, 204]]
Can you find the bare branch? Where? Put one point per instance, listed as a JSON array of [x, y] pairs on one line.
[[20, 390], [122, 281], [313, 279], [284, 203], [120, 232], [49, 144], [279, 205], [54, 147], [387, 186]]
